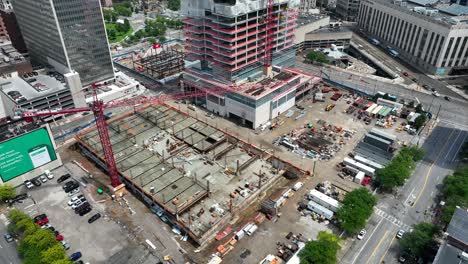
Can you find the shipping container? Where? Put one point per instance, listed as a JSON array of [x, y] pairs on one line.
[[324, 200], [319, 209], [359, 177], [357, 165]]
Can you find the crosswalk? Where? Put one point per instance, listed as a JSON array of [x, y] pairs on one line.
[[392, 219]]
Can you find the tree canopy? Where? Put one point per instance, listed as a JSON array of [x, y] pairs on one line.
[[420, 121], [173, 5], [37, 246], [314, 56], [323, 250], [455, 192], [399, 169], [420, 241], [356, 208], [7, 192]]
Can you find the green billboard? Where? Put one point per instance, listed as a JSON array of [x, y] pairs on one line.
[[25, 153]]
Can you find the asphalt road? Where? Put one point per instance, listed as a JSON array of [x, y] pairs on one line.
[[8, 254], [400, 66], [414, 202]]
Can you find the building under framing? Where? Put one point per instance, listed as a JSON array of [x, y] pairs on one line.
[[160, 65]]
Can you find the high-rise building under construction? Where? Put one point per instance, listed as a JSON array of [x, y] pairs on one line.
[[231, 40]]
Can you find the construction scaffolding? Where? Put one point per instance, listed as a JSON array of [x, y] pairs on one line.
[[160, 65]]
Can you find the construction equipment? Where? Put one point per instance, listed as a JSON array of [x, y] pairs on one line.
[[98, 106], [270, 19]]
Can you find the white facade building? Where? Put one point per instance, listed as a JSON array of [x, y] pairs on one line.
[[431, 36]]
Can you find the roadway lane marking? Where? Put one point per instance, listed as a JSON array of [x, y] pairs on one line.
[[449, 152], [386, 251], [430, 169], [459, 147], [410, 195], [362, 248], [378, 245]]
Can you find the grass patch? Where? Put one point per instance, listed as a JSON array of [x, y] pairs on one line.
[[111, 26]]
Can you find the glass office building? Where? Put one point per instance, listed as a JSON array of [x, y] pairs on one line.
[[68, 35]]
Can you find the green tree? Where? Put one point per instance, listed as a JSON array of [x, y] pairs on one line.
[[420, 121], [464, 151], [162, 38], [323, 250], [356, 208], [455, 192], [420, 240], [416, 153], [419, 109], [53, 253], [7, 192], [111, 34], [173, 5], [152, 40], [314, 56]]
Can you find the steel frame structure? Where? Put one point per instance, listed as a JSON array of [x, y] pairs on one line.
[[161, 65]]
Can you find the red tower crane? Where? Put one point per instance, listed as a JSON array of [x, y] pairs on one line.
[[270, 19], [98, 107]]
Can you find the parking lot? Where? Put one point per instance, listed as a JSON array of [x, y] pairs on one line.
[[96, 241]]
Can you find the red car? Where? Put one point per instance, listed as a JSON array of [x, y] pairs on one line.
[[405, 74], [42, 221], [59, 238]]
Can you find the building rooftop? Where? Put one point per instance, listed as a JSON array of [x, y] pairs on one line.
[[34, 86], [455, 10], [447, 254], [433, 10], [9, 55], [458, 227]]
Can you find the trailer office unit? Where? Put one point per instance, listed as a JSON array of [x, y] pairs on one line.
[[324, 200], [357, 165], [319, 209], [368, 162]]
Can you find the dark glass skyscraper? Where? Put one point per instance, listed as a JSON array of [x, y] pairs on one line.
[[68, 35]]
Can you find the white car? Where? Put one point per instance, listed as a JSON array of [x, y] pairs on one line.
[[400, 233], [29, 184], [48, 174], [73, 200], [46, 226], [436, 94], [73, 192], [362, 234], [43, 178]]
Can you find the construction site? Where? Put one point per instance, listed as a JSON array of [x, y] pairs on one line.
[[160, 62], [195, 175]]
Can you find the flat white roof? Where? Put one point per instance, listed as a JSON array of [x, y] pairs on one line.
[[325, 198]]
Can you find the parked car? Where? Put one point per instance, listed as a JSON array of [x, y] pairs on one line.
[[43, 178], [74, 191], [400, 233], [75, 199], [28, 184], [405, 74], [81, 207], [85, 211], [65, 245], [77, 204], [75, 256], [51, 228], [164, 218], [46, 226], [8, 237], [362, 234], [36, 182], [447, 98], [94, 218], [71, 187], [414, 80], [48, 174], [42, 221], [59, 237], [425, 86], [63, 178], [436, 94], [39, 217]]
